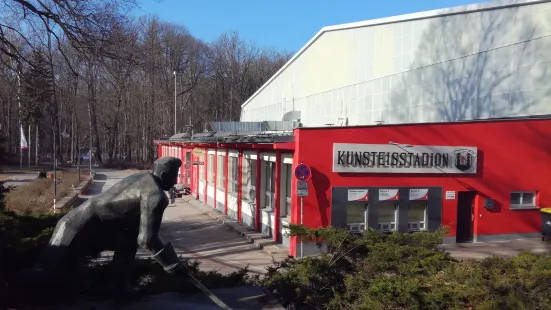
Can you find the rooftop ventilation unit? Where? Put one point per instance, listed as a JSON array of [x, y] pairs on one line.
[[342, 121]]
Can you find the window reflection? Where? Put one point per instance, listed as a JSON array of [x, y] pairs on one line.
[[417, 215], [387, 211], [356, 216]]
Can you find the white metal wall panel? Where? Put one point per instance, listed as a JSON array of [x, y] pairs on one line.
[[476, 65]]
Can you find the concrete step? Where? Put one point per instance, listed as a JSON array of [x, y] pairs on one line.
[[262, 241]]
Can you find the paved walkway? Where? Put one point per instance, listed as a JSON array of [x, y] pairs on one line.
[[500, 248], [214, 245]]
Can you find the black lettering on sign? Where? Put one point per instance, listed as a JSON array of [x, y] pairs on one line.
[[340, 156], [393, 159]]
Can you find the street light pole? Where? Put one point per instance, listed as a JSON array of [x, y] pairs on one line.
[[90, 156], [175, 130], [55, 170]]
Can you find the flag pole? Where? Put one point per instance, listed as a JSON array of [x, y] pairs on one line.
[[29, 149]]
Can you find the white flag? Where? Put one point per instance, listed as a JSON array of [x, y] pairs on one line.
[[24, 144]]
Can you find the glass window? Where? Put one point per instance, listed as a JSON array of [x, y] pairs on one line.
[[211, 170], [249, 179], [520, 200], [245, 178], [233, 170], [356, 216], [220, 180], [288, 188], [269, 184], [417, 215], [201, 159], [387, 215]]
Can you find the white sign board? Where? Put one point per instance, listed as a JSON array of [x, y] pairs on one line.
[[302, 192], [302, 185], [358, 195], [390, 158], [388, 194], [450, 195], [419, 194]]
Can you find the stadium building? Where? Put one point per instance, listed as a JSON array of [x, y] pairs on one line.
[[407, 123]]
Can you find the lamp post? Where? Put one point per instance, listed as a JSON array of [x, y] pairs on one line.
[[65, 135], [90, 155], [175, 130]]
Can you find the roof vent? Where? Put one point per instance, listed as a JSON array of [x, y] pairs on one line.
[[342, 121]]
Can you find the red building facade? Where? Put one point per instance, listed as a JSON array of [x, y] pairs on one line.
[[485, 180]]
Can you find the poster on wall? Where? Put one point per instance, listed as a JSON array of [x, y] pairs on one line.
[[419, 194], [388, 194], [450, 195], [358, 195]]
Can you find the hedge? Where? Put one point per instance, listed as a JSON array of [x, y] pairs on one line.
[[405, 271]]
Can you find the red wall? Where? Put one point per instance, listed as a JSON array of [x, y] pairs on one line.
[[513, 156]]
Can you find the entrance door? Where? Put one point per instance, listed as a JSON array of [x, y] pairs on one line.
[[465, 216], [186, 178]]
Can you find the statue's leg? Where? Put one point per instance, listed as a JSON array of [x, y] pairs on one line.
[[123, 265]]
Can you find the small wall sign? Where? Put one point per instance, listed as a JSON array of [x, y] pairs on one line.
[[388, 194], [419, 194], [450, 195], [358, 195]]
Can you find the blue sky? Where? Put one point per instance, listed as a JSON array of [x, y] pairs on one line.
[[285, 25]]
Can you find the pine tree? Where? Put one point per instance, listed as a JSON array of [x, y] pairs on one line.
[[37, 90]]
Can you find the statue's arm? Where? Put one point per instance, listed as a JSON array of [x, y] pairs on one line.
[[152, 209]]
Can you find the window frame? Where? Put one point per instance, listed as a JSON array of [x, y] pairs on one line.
[[201, 159], [357, 228], [248, 185], [220, 177], [288, 188], [396, 207], [269, 183], [233, 175], [425, 217], [210, 167], [522, 205]]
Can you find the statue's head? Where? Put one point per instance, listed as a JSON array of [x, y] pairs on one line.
[[165, 169]]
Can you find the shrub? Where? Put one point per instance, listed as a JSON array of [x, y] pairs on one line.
[[23, 237], [405, 271], [4, 189]]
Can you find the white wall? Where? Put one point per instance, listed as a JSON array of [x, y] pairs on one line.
[[475, 65]]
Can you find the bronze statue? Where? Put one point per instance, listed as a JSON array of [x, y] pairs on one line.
[[121, 219]]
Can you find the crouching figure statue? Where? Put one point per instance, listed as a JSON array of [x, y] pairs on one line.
[[121, 219]]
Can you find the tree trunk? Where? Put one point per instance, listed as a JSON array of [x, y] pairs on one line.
[[92, 113]]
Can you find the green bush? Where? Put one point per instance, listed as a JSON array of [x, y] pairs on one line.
[[405, 271], [23, 237]]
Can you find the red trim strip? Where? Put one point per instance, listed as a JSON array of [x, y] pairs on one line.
[[289, 146], [206, 183], [226, 181], [257, 191], [277, 196], [214, 177], [239, 187]]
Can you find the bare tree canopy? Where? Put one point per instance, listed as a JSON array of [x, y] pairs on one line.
[[85, 25], [86, 73]]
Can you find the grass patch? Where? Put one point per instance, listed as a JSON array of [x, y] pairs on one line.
[[38, 195]]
